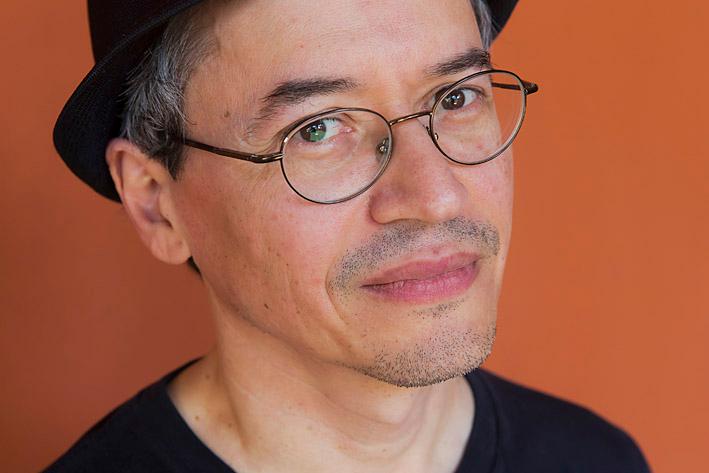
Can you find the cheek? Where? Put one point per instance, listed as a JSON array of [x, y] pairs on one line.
[[299, 242], [257, 243], [490, 187], [497, 191], [217, 201], [499, 176], [277, 280]]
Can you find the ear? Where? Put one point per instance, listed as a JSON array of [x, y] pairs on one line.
[[144, 187]]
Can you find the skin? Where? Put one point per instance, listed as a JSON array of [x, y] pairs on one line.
[[308, 370]]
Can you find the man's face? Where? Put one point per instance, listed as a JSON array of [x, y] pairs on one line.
[[400, 283]]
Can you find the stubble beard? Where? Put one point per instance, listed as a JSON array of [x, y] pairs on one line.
[[449, 350], [445, 355]]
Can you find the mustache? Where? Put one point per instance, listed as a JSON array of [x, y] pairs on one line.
[[400, 238]]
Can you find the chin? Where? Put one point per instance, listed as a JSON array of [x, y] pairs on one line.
[[443, 353]]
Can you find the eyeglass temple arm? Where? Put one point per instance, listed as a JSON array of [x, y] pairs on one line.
[[529, 87], [253, 158]]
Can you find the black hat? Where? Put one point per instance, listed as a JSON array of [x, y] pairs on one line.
[[121, 32]]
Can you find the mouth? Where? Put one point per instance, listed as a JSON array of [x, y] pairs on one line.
[[426, 281]]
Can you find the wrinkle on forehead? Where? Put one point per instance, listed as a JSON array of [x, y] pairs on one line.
[[310, 33]]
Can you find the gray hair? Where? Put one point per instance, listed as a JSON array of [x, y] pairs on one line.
[[153, 116]]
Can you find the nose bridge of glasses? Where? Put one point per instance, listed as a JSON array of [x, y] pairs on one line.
[[412, 116], [396, 121]]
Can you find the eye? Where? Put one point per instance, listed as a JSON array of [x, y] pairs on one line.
[[319, 130], [459, 98]]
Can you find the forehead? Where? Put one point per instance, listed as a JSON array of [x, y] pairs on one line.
[[384, 47], [312, 37]]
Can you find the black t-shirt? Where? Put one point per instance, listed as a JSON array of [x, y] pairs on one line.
[[515, 430]]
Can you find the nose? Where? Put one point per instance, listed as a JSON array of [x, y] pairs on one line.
[[419, 182]]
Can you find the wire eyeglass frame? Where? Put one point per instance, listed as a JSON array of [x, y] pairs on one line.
[[527, 88]]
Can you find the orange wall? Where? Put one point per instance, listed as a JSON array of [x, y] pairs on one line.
[[606, 298]]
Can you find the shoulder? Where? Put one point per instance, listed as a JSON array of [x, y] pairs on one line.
[[545, 430], [117, 442]]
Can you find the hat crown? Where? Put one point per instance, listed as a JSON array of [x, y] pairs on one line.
[[114, 21]]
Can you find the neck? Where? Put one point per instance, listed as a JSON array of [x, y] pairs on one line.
[[267, 407]]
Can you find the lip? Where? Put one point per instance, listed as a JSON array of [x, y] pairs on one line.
[[426, 280]]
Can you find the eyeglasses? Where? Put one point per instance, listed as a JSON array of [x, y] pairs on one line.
[[338, 154]]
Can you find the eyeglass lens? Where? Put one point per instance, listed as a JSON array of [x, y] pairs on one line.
[[336, 155], [479, 118]]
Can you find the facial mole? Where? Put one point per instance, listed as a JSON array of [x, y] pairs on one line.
[[227, 114], [266, 305]]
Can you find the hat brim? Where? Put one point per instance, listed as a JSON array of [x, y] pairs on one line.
[[92, 115]]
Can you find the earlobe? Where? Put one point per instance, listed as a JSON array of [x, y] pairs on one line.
[[143, 185]]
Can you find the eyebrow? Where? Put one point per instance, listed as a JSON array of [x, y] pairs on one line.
[[474, 57], [293, 92]]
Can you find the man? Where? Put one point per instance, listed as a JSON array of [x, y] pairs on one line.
[[341, 174]]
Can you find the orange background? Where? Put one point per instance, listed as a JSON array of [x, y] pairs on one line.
[[606, 295]]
